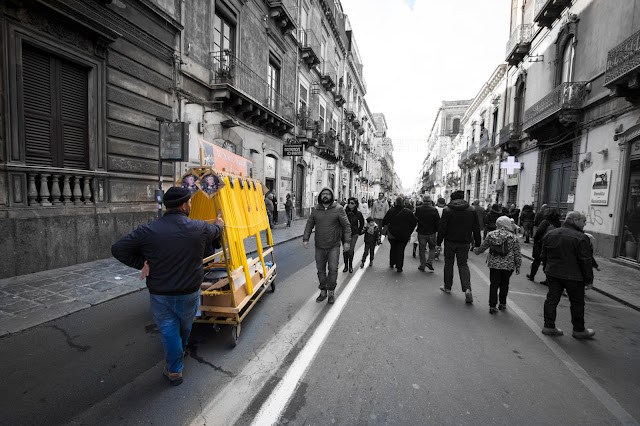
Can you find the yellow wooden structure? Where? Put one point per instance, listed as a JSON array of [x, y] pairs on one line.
[[241, 202]]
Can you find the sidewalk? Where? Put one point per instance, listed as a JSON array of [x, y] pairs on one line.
[[619, 282], [33, 299]]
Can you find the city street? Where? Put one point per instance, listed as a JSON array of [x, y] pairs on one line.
[[393, 349]]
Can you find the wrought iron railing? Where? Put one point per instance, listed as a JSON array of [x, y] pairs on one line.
[[472, 150], [624, 59], [484, 141], [463, 157], [510, 132], [569, 95], [226, 68], [309, 40], [522, 34]]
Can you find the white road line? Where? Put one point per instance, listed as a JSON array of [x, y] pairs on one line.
[[235, 397], [273, 407], [598, 391]]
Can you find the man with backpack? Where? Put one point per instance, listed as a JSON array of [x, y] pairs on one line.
[[458, 228]]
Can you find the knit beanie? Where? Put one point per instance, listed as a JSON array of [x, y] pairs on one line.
[[457, 195], [176, 197]]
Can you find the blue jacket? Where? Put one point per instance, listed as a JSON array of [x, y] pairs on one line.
[[174, 247]]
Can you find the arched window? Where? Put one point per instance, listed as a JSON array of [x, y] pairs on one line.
[[477, 192], [568, 55], [456, 126], [519, 105], [469, 179], [490, 180]]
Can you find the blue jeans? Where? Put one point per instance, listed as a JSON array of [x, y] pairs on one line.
[[327, 258], [289, 217], [174, 317]]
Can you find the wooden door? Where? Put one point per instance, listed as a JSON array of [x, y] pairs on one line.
[[559, 185]]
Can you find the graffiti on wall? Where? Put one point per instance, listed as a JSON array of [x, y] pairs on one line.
[[594, 216]]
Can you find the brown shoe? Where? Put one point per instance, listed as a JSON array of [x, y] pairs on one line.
[[175, 379]]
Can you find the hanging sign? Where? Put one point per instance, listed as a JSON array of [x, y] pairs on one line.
[[600, 187], [222, 159], [174, 141], [292, 150]]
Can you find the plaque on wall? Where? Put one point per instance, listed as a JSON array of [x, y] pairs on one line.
[[174, 141]]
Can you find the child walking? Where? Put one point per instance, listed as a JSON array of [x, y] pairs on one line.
[[371, 235], [504, 257]]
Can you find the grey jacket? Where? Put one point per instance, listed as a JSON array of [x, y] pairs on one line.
[[331, 224]]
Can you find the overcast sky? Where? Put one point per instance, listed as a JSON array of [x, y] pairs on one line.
[[417, 53]]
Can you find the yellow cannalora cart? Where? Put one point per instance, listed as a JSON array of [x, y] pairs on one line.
[[233, 282]]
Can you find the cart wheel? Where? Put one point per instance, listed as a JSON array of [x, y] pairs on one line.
[[273, 286], [235, 335]]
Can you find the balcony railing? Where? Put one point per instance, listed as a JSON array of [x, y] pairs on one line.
[[228, 69], [519, 44], [59, 187], [310, 47], [463, 157], [284, 13], [351, 111], [328, 75], [484, 141], [510, 133], [567, 96], [623, 61], [545, 12]]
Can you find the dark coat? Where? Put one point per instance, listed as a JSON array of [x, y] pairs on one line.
[[541, 230], [459, 224], [492, 216], [428, 219], [539, 217], [515, 215], [401, 223], [482, 215], [174, 247], [356, 220], [527, 216], [567, 254], [331, 224]]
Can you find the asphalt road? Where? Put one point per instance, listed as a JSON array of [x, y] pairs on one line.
[[400, 352]]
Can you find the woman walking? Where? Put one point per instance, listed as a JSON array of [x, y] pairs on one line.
[[551, 221], [400, 223], [504, 258], [357, 223]]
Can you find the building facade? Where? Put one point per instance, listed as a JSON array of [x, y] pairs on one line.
[[86, 85]]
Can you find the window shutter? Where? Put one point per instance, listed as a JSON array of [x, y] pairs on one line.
[[38, 111], [73, 115]]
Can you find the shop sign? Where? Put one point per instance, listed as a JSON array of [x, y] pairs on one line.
[[331, 166], [222, 159], [600, 188], [292, 150], [512, 180], [491, 188]]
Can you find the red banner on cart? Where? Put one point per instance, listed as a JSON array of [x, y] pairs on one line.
[[222, 159]]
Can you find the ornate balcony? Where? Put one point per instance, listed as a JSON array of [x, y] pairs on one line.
[[358, 163], [309, 47], [510, 136], [348, 158], [328, 76], [248, 96], [307, 127], [519, 44], [327, 146], [484, 142], [623, 66], [338, 96], [283, 13], [545, 12], [350, 111], [564, 103], [463, 158]]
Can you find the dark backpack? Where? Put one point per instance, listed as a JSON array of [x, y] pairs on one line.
[[499, 249]]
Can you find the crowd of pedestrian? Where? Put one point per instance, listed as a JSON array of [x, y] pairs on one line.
[[562, 248]]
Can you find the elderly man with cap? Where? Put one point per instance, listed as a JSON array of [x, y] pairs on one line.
[[169, 251], [567, 256], [459, 227]]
